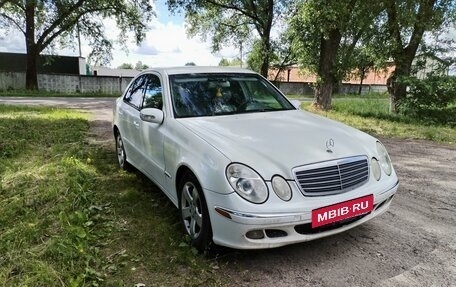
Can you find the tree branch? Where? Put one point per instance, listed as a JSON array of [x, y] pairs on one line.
[[13, 21], [419, 27], [58, 22], [235, 8], [393, 23]]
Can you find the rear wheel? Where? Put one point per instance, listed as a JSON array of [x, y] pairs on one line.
[[121, 155], [194, 212]]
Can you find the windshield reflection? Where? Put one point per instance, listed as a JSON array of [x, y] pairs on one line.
[[197, 95]]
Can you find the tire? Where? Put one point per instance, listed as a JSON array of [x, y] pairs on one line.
[[194, 213], [121, 155]]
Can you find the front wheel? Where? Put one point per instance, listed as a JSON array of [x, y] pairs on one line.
[[121, 155], [194, 212]]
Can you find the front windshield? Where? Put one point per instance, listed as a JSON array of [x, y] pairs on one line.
[[198, 95]]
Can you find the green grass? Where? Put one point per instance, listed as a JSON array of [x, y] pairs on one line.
[[70, 217], [27, 93], [372, 116]]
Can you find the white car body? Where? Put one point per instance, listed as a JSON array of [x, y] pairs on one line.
[[271, 143]]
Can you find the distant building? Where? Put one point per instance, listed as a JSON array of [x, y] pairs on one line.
[[47, 64], [296, 75], [105, 71], [425, 64]]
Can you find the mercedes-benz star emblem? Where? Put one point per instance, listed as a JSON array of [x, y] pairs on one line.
[[329, 145]]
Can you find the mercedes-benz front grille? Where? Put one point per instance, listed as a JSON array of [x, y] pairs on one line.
[[332, 177]]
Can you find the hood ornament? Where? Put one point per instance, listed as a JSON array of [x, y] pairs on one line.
[[329, 145]]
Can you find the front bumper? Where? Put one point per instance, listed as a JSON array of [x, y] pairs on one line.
[[230, 227]]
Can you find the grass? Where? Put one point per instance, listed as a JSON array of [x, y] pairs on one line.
[[372, 116], [27, 93], [70, 217]]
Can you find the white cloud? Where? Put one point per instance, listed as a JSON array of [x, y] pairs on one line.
[[12, 41]]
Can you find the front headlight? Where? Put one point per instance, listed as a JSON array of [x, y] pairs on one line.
[[384, 159], [247, 183]]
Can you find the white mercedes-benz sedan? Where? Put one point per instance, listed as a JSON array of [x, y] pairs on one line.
[[246, 168]]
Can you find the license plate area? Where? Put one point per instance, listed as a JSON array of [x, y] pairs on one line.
[[342, 210]]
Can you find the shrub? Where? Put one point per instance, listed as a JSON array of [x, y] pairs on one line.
[[432, 92], [430, 99]]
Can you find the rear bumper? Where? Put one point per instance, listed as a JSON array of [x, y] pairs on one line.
[[231, 226]]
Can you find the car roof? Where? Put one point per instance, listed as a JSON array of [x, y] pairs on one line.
[[198, 69]]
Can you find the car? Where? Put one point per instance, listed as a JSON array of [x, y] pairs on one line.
[[247, 168]]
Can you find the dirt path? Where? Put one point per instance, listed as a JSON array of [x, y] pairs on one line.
[[413, 244]]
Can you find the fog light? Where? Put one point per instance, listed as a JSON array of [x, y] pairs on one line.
[[281, 188], [255, 234]]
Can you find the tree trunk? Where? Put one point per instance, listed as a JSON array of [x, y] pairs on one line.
[[265, 66], [396, 89], [363, 74], [326, 77], [31, 77]]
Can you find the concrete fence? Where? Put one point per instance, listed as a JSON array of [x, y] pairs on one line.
[[67, 83], [116, 85]]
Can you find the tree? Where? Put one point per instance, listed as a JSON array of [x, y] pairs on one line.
[[44, 23], [325, 34], [140, 66], [406, 24], [126, 66], [232, 22], [233, 62]]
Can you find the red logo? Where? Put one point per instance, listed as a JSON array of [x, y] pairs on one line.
[[343, 210]]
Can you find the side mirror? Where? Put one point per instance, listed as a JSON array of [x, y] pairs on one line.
[[296, 104], [152, 115]]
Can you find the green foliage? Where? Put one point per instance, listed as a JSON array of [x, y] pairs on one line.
[[405, 26], [354, 20], [127, 66], [373, 116], [432, 98], [233, 62], [256, 55], [236, 23], [59, 21]]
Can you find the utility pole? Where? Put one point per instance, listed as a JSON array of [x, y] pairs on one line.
[[241, 53]]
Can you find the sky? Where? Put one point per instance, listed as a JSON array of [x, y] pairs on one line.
[[166, 44]]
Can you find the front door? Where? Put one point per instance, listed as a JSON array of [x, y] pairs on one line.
[[153, 161]]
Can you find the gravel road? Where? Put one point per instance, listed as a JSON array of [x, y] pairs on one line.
[[413, 244]]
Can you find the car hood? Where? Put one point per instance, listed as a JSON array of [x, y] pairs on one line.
[[276, 142]]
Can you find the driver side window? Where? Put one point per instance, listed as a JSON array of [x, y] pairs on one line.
[[135, 94], [153, 97]]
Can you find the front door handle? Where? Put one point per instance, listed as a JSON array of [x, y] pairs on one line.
[[136, 124]]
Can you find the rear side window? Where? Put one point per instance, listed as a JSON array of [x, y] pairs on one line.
[[135, 94]]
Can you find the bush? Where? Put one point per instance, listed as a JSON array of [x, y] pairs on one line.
[[432, 92], [431, 99]]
